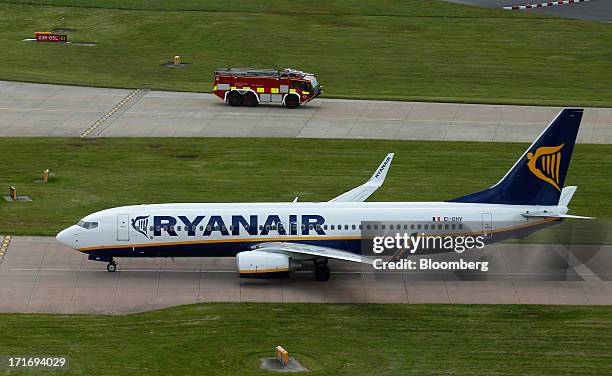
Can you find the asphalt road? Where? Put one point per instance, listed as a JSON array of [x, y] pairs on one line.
[[594, 10], [37, 274], [56, 110]]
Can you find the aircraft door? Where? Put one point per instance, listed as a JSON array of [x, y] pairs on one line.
[[123, 233], [487, 225]]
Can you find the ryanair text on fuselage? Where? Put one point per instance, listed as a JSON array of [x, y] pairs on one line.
[[237, 225]]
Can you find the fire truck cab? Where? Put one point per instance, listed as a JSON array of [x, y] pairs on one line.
[[249, 86]]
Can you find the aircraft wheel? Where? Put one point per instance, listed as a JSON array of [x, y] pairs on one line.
[[322, 273], [249, 100], [112, 266], [234, 99]]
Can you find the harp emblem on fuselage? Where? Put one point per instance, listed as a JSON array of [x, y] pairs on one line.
[[140, 224], [545, 164]]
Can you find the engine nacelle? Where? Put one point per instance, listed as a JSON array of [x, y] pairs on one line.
[[263, 264]]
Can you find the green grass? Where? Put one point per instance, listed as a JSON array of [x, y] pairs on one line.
[[229, 339], [88, 176], [383, 49]]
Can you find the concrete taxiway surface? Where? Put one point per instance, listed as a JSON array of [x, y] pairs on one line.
[[594, 10], [57, 110], [37, 274]]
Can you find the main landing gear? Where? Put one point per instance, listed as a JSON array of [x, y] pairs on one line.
[[322, 272], [112, 266]]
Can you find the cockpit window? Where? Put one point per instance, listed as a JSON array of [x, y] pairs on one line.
[[87, 225]]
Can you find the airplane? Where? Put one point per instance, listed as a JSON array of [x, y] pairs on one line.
[[273, 239]]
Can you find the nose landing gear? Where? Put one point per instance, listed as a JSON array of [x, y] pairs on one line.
[[112, 266]]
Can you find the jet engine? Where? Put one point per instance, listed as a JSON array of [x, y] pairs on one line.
[[256, 264]]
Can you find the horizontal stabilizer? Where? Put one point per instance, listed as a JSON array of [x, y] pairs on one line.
[[365, 190], [552, 215], [311, 250]]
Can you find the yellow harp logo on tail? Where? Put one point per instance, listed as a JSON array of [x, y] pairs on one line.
[[545, 163]]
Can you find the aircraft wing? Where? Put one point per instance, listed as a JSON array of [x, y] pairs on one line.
[[552, 215], [311, 250], [361, 193]]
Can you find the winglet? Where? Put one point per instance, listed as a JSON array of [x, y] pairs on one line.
[[378, 178], [365, 190]]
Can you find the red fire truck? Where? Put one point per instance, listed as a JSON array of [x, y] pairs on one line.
[[249, 86]]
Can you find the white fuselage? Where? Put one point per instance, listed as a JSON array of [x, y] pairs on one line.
[[233, 227]]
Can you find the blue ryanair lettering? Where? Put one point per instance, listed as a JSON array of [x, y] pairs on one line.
[[273, 222], [315, 222], [215, 223], [191, 225], [165, 222], [239, 225], [250, 226]]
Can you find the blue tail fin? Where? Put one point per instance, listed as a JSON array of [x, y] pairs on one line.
[[538, 176]]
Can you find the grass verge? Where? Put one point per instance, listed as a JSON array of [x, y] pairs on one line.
[[409, 50], [229, 339], [91, 175]]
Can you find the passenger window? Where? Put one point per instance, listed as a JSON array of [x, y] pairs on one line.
[[311, 226], [460, 225], [383, 227], [439, 227], [318, 227], [446, 226], [412, 227], [201, 228], [346, 227], [354, 227], [361, 227], [324, 227], [419, 227], [426, 227], [333, 227]]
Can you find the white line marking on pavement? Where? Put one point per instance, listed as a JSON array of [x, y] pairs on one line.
[[299, 272]]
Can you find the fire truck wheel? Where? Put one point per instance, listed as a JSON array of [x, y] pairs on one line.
[[249, 100], [292, 101], [234, 99]]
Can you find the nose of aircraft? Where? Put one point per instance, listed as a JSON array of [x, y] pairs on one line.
[[68, 237]]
